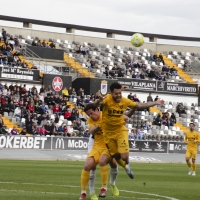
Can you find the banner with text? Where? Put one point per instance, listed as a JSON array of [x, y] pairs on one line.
[[179, 147], [19, 73], [24, 142], [138, 84], [160, 86]]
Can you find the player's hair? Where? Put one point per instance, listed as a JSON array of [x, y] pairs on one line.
[[115, 86], [90, 106]]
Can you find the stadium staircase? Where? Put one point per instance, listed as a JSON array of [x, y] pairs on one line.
[[10, 124], [181, 73], [77, 67], [182, 128]]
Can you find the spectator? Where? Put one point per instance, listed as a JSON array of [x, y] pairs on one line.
[[3, 131], [172, 119], [54, 130], [52, 45], [65, 92], [156, 98], [61, 130], [180, 109], [36, 130], [68, 115], [42, 130], [66, 132], [14, 131], [31, 107], [87, 100], [142, 75], [79, 128], [157, 120], [135, 98], [146, 126], [28, 123], [47, 129], [56, 109], [79, 102], [86, 134], [130, 96], [149, 98], [11, 107], [43, 109], [132, 135], [23, 131], [17, 112], [141, 134], [4, 35]]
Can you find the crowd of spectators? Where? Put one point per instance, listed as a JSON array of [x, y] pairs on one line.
[[37, 42], [44, 111]]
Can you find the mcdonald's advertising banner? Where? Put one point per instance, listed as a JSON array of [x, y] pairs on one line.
[[70, 143]]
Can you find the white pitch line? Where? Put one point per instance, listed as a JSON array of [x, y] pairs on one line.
[[72, 186]]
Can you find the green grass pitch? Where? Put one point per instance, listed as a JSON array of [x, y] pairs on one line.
[[60, 180]]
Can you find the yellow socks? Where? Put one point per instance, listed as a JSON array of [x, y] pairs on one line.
[[121, 162], [85, 176], [194, 166], [188, 163], [104, 175]]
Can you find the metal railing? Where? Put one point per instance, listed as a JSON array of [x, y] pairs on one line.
[[35, 59]]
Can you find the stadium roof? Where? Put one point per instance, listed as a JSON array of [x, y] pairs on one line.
[[95, 29]]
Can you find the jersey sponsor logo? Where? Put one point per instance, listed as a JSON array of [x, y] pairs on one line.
[[60, 143], [121, 106], [104, 87], [115, 112], [57, 84], [80, 144]]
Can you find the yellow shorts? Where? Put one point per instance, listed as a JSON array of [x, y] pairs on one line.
[[191, 153], [117, 142], [97, 152]]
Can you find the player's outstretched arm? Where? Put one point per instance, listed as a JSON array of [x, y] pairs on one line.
[[94, 129], [99, 101], [148, 104]]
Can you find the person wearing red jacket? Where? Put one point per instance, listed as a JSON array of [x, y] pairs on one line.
[[56, 109], [68, 115], [3, 100], [31, 107]]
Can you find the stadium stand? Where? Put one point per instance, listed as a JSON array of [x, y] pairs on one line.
[[94, 60]]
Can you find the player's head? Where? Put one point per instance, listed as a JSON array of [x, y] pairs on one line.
[[191, 126], [116, 91], [92, 111]]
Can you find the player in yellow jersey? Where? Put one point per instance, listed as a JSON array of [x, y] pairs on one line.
[[113, 125], [98, 154], [192, 138]]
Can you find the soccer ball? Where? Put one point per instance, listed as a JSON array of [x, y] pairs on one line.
[[137, 40]]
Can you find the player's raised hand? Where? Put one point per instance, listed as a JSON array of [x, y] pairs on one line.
[[160, 102], [101, 98]]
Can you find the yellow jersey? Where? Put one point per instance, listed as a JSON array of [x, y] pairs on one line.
[[190, 136], [113, 119], [98, 136]]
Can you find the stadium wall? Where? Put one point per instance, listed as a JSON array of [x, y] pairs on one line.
[[96, 40]]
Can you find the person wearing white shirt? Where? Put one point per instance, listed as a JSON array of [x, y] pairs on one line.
[[17, 112]]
